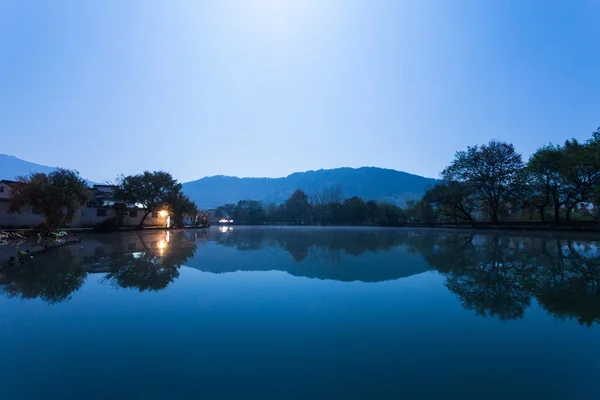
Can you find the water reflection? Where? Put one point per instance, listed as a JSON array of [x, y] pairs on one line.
[[493, 275], [497, 276], [148, 263], [53, 282]]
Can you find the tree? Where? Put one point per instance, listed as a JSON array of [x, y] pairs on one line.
[[580, 172], [372, 211], [355, 210], [249, 212], [332, 194], [273, 213], [180, 206], [150, 189], [390, 214], [327, 205], [227, 211], [202, 218], [452, 199], [494, 171], [297, 207], [543, 179], [58, 195]]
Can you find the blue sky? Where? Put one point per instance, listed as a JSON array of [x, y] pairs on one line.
[[267, 87]]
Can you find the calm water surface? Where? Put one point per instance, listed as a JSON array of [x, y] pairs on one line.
[[304, 313]]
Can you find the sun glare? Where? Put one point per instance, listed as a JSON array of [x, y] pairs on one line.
[[276, 14]]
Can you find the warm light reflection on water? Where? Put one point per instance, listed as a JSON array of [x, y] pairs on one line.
[[162, 245]]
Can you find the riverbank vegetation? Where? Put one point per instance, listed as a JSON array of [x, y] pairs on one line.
[[484, 185]]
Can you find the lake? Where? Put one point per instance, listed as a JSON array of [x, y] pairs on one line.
[[306, 312]]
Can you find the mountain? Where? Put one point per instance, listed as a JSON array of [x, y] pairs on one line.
[[370, 183], [11, 167]]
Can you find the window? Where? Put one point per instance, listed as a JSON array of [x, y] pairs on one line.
[[132, 214], [1, 189], [35, 210], [155, 214], [101, 212]]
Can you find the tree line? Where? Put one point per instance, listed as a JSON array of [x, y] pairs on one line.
[[60, 193], [327, 207], [485, 183]]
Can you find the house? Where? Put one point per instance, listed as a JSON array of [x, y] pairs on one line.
[[101, 205], [28, 217]]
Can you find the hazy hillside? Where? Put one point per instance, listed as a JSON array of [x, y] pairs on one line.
[[11, 167], [367, 182]]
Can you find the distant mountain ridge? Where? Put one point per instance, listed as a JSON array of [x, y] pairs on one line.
[[12, 167], [370, 183]]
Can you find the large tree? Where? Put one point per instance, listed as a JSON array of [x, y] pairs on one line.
[[453, 200], [149, 189], [58, 195], [298, 208], [494, 170]]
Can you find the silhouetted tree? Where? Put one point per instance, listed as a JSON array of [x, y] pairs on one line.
[[149, 189], [297, 208], [57, 195], [454, 200], [493, 170]]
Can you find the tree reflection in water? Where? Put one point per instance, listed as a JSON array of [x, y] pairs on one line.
[[492, 275], [52, 282], [152, 268], [499, 275]]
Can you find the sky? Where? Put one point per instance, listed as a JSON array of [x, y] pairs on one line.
[[268, 87]]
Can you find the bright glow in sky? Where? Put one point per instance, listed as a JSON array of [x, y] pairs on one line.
[[270, 87]]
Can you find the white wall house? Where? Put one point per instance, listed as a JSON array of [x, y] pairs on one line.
[[99, 208]]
